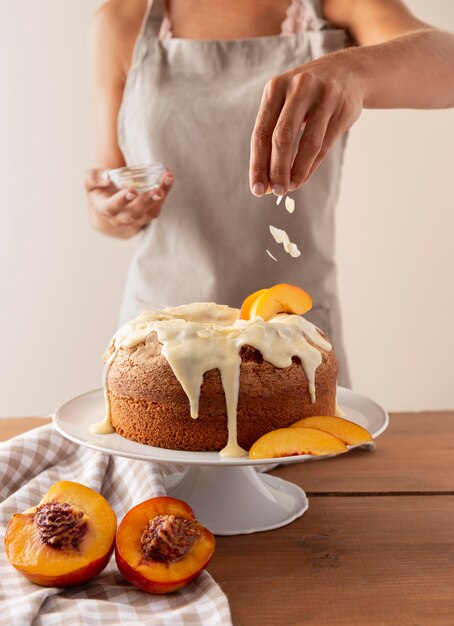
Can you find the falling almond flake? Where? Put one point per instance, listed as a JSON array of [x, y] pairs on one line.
[[292, 249], [269, 254], [280, 236], [289, 204], [278, 201]]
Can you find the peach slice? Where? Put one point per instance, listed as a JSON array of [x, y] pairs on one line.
[[248, 302], [350, 433], [281, 298], [65, 540], [161, 547], [296, 441]]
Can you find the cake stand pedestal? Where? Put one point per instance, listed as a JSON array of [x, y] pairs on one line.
[[228, 495], [239, 500]]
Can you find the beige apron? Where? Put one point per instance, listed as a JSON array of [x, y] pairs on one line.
[[192, 104]]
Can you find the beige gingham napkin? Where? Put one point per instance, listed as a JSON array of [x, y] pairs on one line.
[[29, 465]]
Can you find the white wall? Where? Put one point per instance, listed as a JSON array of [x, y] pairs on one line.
[[396, 250], [61, 283]]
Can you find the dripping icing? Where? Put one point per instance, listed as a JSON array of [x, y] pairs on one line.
[[198, 337]]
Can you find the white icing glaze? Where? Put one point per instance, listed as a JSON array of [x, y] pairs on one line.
[[199, 337], [105, 427]]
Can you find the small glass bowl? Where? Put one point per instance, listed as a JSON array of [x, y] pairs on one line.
[[139, 177]]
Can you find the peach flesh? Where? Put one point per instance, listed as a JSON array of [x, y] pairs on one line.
[[281, 298], [248, 302], [349, 432], [296, 441], [161, 576], [29, 537]]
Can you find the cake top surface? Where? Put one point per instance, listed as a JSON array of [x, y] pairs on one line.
[[208, 320]]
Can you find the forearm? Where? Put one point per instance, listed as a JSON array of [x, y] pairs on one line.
[[414, 70]]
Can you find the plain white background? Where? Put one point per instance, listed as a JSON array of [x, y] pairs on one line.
[[61, 282]]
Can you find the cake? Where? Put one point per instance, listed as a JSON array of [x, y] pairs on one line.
[[198, 377]]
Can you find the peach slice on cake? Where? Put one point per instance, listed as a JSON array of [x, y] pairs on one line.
[[248, 302], [296, 441], [350, 433], [282, 298], [161, 547], [65, 540]]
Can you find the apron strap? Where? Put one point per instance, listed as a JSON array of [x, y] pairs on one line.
[[317, 8], [154, 16]]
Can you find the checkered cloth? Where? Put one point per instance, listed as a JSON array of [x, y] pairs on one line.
[[29, 464]]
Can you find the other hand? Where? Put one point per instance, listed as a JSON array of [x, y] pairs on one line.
[[123, 213]]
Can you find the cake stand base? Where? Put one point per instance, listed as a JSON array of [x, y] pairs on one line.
[[239, 500]]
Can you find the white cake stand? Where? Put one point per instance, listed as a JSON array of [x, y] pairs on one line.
[[228, 496]]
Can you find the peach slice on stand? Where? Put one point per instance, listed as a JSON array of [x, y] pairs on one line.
[[65, 540], [296, 441], [281, 298], [161, 547], [350, 433], [248, 302]]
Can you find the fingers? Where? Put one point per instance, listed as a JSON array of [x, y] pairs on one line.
[[333, 132], [96, 178], [117, 204], [261, 141], [128, 207], [314, 142], [285, 138], [282, 113], [319, 137], [167, 179]]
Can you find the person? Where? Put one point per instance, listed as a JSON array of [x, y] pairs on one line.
[[236, 96]]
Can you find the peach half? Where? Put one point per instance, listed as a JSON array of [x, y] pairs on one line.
[[281, 298], [350, 433], [65, 540], [294, 442], [161, 547]]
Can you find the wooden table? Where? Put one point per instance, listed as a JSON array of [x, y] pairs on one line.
[[376, 546]]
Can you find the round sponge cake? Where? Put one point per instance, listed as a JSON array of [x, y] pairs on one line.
[[149, 405]]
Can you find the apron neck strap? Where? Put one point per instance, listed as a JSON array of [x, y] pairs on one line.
[[317, 7], [156, 11]]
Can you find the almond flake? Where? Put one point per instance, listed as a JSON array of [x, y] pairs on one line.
[[280, 236], [270, 255], [278, 201], [292, 249], [289, 204]]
